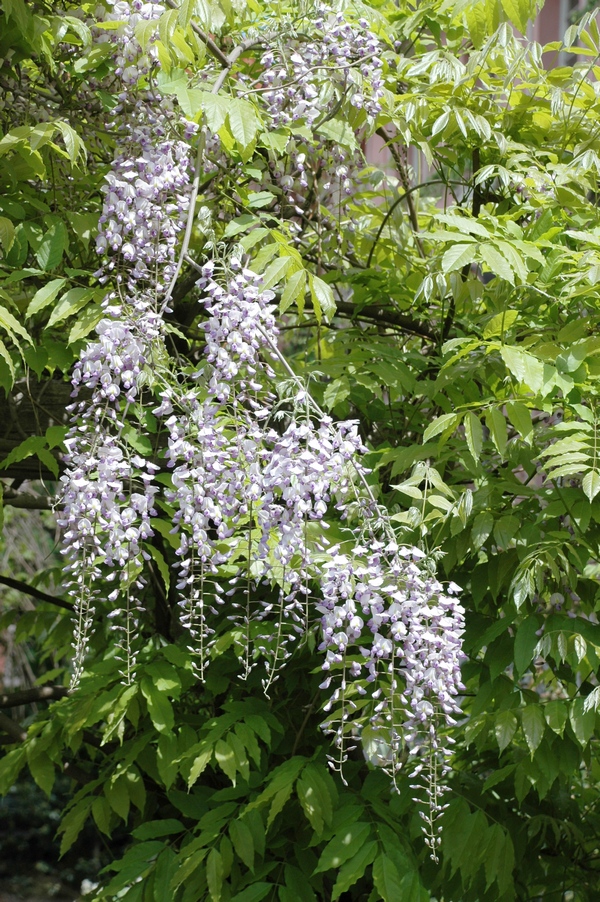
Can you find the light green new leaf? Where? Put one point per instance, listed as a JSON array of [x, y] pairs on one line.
[[519, 12], [500, 323], [526, 368], [474, 434], [295, 287], [13, 326], [496, 263], [243, 121], [44, 296], [591, 484], [275, 272], [457, 256], [447, 421], [69, 304], [322, 298], [496, 424]]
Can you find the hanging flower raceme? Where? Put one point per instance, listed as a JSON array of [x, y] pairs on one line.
[[108, 490], [253, 473]]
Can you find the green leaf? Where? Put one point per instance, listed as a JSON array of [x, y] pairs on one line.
[[387, 879], [412, 890], [295, 287], [70, 303], [166, 759], [214, 875], [533, 726], [520, 417], [344, 845], [457, 256], [159, 706], [164, 871], [474, 434], [72, 823], [11, 766], [156, 829], [496, 263], [582, 721], [526, 368], [118, 796], [243, 121], [225, 757], [518, 11], [496, 423], [352, 870], [42, 769], [200, 764], [447, 421], [87, 320], [243, 843], [314, 797], [482, 528], [44, 296], [339, 131], [13, 326], [101, 812], [7, 234], [275, 272], [50, 250], [500, 323], [254, 893], [505, 728], [591, 484], [322, 297], [526, 640], [556, 713]]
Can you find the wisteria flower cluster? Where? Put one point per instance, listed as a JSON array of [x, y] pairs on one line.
[[249, 472], [108, 490], [346, 54]]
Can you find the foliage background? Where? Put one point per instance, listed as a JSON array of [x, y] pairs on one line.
[[460, 328]]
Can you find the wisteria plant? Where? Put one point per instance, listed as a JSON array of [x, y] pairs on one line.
[[318, 284]]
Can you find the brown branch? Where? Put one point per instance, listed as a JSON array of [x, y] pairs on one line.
[[27, 501], [14, 730], [26, 589], [35, 694], [383, 316]]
